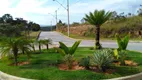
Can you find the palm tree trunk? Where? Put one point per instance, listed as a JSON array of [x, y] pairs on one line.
[[98, 46], [33, 48], [23, 51], [15, 52], [40, 48], [47, 47]]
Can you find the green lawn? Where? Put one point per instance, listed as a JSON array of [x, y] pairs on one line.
[[75, 36], [44, 67], [34, 34]]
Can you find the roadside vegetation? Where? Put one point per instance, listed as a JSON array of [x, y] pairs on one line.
[[120, 23]]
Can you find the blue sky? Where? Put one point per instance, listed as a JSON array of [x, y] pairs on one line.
[[37, 10]]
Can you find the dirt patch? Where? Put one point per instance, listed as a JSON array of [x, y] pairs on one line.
[[131, 63], [21, 63], [75, 66], [127, 63]]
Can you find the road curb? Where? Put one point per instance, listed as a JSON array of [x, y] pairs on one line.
[[4, 76], [66, 36], [131, 77]]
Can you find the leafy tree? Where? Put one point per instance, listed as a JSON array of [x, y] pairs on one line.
[[82, 20], [12, 45], [60, 22], [35, 27], [9, 30], [140, 11], [114, 15], [75, 24], [97, 18], [7, 18], [1, 20]]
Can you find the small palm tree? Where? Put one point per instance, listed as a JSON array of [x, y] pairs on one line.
[[13, 45], [24, 45], [32, 44], [40, 42], [68, 52], [46, 43], [97, 18]]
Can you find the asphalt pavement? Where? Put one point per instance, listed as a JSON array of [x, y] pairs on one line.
[[56, 37]]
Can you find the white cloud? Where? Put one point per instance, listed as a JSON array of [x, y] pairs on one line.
[[35, 11]]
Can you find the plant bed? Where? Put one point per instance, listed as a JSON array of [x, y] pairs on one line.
[[75, 66], [45, 66]]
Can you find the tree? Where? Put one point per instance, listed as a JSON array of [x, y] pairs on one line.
[[25, 46], [60, 22], [82, 20], [32, 44], [140, 11], [1, 20], [114, 15], [39, 44], [97, 18], [7, 18], [46, 43], [12, 45], [8, 30], [35, 27]]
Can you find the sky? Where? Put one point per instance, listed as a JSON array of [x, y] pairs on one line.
[[43, 11]]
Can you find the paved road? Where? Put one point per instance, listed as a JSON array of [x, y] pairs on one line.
[[56, 37]]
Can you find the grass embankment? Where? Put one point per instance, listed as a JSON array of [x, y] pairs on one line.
[[44, 67], [34, 34], [130, 25]]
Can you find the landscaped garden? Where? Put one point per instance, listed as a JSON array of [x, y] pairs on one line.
[[45, 66], [23, 56]]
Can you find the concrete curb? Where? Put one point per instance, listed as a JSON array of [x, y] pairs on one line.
[[131, 41], [67, 36], [131, 77], [4, 76]]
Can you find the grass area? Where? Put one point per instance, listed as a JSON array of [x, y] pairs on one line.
[[44, 67], [130, 25], [34, 34], [78, 37], [93, 38]]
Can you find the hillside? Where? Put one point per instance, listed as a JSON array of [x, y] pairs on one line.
[[130, 25]]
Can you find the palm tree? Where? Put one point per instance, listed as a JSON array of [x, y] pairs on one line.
[[39, 44], [46, 43], [32, 44], [97, 18], [13, 45], [25, 46]]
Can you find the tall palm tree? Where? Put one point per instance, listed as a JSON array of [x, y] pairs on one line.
[[97, 18], [12, 45]]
